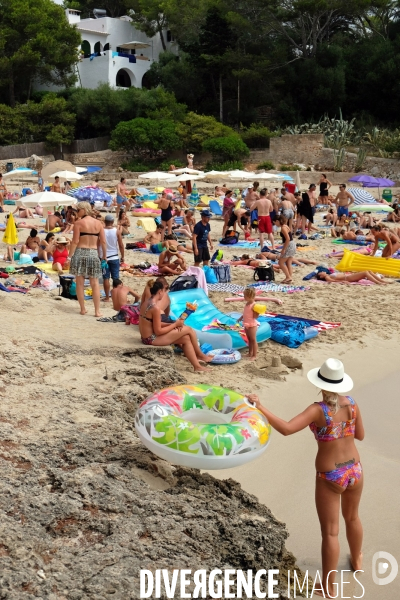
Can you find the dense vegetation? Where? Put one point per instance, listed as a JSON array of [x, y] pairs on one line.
[[254, 68]]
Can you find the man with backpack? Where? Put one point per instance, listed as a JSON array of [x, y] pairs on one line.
[[201, 239]]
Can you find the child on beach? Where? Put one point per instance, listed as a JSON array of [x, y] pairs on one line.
[[250, 322]]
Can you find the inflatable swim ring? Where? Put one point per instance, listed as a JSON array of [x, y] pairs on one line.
[[202, 426], [225, 356]]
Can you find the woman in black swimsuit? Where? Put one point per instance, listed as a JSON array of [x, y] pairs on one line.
[[166, 205], [324, 185], [85, 262]]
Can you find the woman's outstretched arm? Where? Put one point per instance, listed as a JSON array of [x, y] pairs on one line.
[[296, 424]]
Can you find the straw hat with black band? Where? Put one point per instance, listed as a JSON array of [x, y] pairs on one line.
[[331, 377]]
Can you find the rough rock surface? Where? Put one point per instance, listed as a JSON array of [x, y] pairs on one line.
[[84, 506]]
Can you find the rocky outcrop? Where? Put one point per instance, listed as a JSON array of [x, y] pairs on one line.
[[84, 506]]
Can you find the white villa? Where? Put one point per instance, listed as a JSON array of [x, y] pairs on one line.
[[113, 51]]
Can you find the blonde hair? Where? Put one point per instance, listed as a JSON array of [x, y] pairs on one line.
[[331, 399], [84, 206], [249, 293]]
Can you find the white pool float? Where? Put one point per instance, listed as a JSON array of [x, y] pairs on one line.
[[202, 426]]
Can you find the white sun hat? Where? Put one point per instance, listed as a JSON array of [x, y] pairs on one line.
[[331, 377]]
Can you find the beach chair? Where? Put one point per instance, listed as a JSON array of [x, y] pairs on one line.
[[215, 208]]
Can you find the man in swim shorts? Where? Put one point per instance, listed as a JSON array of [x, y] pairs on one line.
[[119, 294], [154, 239], [264, 208], [343, 200], [121, 193]]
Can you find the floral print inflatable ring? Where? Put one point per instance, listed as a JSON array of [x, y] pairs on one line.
[[202, 426]]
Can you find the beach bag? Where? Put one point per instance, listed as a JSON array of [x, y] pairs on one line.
[[135, 245], [184, 282], [130, 314], [222, 273], [67, 288], [209, 274], [231, 237], [218, 255], [264, 274]]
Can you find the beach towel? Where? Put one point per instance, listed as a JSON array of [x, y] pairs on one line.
[[320, 325], [237, 327], [147, 223], [10, 288], [279, 287], [225, 287], [243, 245], [48, 268]]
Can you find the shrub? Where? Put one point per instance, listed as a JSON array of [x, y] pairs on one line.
[[149, 135], [196, 129], [256, 136], [137, 166], [226, 148], [290, 168], [267, 165], [225, 166], [165, 165]]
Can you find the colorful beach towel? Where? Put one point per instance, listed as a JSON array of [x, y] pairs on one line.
[[279, 287], [241, 245], [225, 287], [320, 325], [237, 327]]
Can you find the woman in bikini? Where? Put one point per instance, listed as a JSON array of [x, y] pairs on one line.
[[154, 333], [33, 241], [46, 247], [123, 222], [382, 234], [335, 422], [166, 205], [3, 191], [85, 262], [351, 277]]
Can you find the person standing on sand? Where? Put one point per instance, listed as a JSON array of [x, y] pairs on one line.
[[121, 193], [113, 244], [56, 187], [324, 185], [85, 262], [202, 239], [264, 207], [335, 422], [3, 192], [40, 181], [343, 201]]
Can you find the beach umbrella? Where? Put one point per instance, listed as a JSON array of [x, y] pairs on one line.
[[155, 175], [48, 199], [57, 165], [10, 235], [364, 179], [361, 196], [378, 207], [380, 182], [241, 175], [67, 175], [184, 177], [187, 170], [266, 177], [91, 194], [19, 173], [216, 174], [81, 170]]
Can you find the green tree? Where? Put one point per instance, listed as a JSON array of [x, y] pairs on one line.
[[150, 17], [196, 129], [225, 149], [145, 135], [36, 44]]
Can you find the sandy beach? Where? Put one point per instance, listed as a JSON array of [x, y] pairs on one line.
[[283, 478]]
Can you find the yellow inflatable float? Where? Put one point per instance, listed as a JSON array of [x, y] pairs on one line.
[[356, 263]]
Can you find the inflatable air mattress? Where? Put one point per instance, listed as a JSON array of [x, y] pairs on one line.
[[205, 314]]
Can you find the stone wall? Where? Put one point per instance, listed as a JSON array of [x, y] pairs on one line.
[[289, 149], [374, 165]]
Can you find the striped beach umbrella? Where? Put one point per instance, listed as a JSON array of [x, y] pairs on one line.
[[361, 196]]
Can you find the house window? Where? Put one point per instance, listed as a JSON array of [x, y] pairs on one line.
[[123, 79], [86, 48], [98, 47], [106, 47], [170, 37]]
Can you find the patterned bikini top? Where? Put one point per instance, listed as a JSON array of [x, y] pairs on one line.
[[334, 431]]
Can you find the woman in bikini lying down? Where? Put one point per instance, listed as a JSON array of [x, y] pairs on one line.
[[351, 277]]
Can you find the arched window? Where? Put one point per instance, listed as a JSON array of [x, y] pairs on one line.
[[146, 81], [86, 49], [98, 47], [123, 79], [106, 47]]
